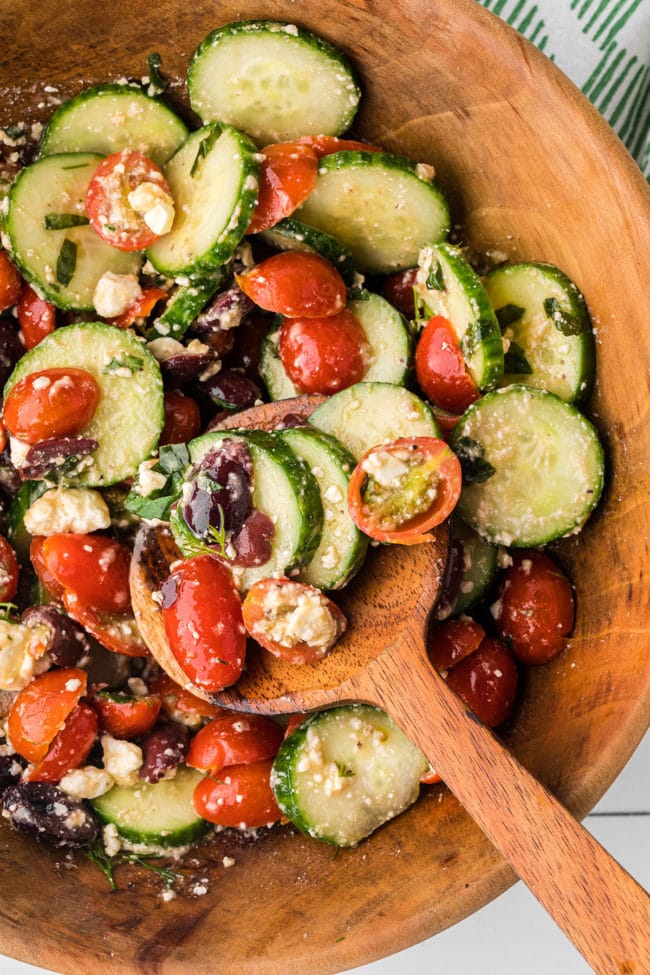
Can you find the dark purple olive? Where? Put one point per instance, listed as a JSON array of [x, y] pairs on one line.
[[11, 348], [230, 390], [163, 749], [48, 813], [220, 490], [67, 640], [11, 767], [223, 314], [10, 479], [451, 581], [178, 370], [47, 455], [292, 420], [253, 541]]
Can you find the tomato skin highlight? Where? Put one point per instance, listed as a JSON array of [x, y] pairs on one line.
[[51, 403], [94, 568], [398, 290], [141, 308], [10, 282], [69, 748], [296, 285], [288, 176], [440, 367], [234, 739], [217, 802], [452, 640], [123, 716], [40, 710], [324, 355], [36, 317], [8, 572], [534, 610], [486, 681], [182, 419], [117, 632], [206, 635]]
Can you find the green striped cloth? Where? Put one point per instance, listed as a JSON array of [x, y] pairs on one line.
[[604, 47]]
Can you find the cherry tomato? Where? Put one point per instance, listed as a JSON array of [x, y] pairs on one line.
[[445, 420], [534, 609], [180, 704], [241, 797], [47, 580], [201, 612], [10, 282], [288, 177], [40, 710], [451, 641], [234, 739], [486, 681], [4, 436], [295, 284], [124, 716], [36, 317], [92, 567], [399, 491], [294, 722], [51, 403], [141, 308], [430, 777], [182, 419], [440, 367], [111, 214], [69, 748], [8, 572], [268, 611], [117, 632], [398, 289], [325, 145], [324, 355]]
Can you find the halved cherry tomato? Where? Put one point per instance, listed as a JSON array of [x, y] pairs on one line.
[[182, 418], [40, 710], [325, 145], [288, 177], [295, 284], [10, 282], [324, 355], [141, 308], [292, 620], [111, 214], [448, 642], [234, 739], [69, 748], [124, 716], [51, 403], [294, 722], [430, 777], [486, 681], [93, 567], [4, 436], [445, 420], [47, 580], [534, 609], [201, 611], [180, 704], [398, 289], [36, 317], [8, 572], [440, 367], [241, 797], [117, 632], [400, 490]]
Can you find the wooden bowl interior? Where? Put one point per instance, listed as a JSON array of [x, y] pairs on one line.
[[533, 171]]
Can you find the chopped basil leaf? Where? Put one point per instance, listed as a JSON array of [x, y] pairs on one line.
[[8, 612], [66, 262], [153, 509], [173, 458], [343, 771], [204, 148], [475, 335], [508, 315], [61, 221], [435, 280], [564, 321], [515, 361], [475, 468], [156, 80], [131, 362], [76, 166], [358, 294]]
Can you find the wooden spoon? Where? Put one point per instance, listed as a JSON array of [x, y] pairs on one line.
[[382, 660]]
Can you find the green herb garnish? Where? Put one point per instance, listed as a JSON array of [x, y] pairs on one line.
[[7, 610], [564, 321], [515, 361], [477, 332], [508, 315], [343, 771], [204, 148], [131, 362], [156, 80], [471, 454], [66, 262], [217, 537], [61, 221], [98, 855], [435, 279]]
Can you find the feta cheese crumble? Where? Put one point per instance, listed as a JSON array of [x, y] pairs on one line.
[[76, 510], [114, 293]]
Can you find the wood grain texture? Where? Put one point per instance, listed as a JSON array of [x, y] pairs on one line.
[[532, 170]]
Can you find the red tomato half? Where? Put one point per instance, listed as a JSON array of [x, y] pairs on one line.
[[118, 632], [440, 367], [47, 580], [51, 403], [324, 355], [8, 572], [450, 641], [201, 612], [234, 739], [141, 308], [35, 316], [182, 419], [92, 567], [10, 282], [40, 710], [288, 177], [422, 490], [179, 704], [486, 681], [124, 716], [70, 747], [325, 145], [240, 797], [296, 285]]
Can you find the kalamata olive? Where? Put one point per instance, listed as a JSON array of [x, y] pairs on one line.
[[224, 312], [10, 479], [185, 367], [11, 766], [48, 813], [67, 640], [46, 456], [292, 420], [220, 490], [162, 750], [252, 543], [10, 348], [245, 355], [451, 580], [230, 390]]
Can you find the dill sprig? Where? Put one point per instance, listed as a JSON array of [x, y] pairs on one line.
[[107, 864]]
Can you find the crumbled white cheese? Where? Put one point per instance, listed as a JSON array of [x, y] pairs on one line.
[[289, 621], [165, 348], [387, 469], [148, 479], [155, 205], [112, 840], [87, 782], [77, 510], [21, 655], [18, 452], [114, 293], [122, 760]]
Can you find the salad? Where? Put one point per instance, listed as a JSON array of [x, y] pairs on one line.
[[156, 280]]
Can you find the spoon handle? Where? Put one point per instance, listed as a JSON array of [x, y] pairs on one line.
[[598, 905]]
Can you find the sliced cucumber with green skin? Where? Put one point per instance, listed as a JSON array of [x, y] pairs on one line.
[[345, 772], [274, 81], [283, 488], [342, 547], [479, 566], [17, 534], [129, 417], [214, 180], [157, 814], [371, 413], [108, 118], [271, 368], [378, 206], [536, 464], [66, 274], [448, 286], [186, 303], [546, 323], [292, 235]]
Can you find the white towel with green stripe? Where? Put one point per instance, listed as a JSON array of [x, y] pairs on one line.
[[604, 47]]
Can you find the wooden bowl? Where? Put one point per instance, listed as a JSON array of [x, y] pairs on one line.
[[532, 170]]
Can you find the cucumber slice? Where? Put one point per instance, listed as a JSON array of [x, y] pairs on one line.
[[108, 118], [545, 320], [275, 81], [344, 772], [57, 185], [292, 235], [129, 417], [479, 567], [378, 206], [370, 413], [449, 286], [17, 534], [185, 305], [342, 546], [547, 460], [155, 814], [271, 368], [209, 223], [283, 488]]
